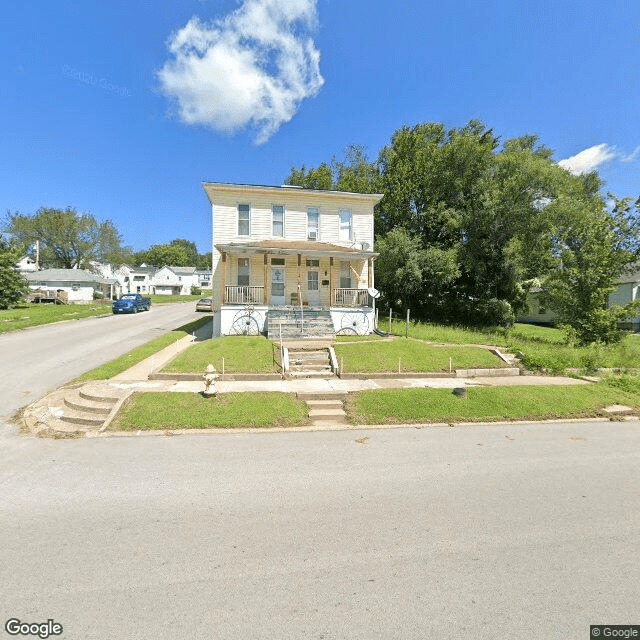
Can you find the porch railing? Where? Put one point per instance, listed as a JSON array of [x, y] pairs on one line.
[[351, 298], [244, 295]]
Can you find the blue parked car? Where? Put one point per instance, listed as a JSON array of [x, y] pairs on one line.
[[131, 303]]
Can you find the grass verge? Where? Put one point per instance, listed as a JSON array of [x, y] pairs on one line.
[[411, 356], [382, 406], [118, 365], [242, 354], [193, 411], [33, 315]]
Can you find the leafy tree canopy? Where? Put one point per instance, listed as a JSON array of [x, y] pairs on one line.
[[68, 239], [467, 221]]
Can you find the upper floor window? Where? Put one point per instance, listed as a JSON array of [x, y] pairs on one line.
[[244, 219], [278, 220], [312, 223], [345, 224]]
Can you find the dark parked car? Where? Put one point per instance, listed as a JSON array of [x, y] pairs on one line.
[[204, 304], [131, 303]]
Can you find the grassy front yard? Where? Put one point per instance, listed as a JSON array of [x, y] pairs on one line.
[[411, 356], [242, 354], [382, 406], [124, 362], [542, 347], [193, 411], [33, 315]]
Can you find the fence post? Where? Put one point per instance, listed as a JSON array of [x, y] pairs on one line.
[[407, 330], [390, 312]]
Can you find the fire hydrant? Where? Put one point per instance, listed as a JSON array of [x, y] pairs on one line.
[[209, 377]]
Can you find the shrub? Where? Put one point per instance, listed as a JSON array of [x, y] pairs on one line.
[[195, 291]]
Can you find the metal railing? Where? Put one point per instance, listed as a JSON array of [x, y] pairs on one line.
[[351, 298], [244, 295]]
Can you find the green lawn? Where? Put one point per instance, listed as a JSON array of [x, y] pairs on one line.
[[382, 406], [242, 354], [542, 347], [193, 411], [118, 365], [33, 315], [411, 356]]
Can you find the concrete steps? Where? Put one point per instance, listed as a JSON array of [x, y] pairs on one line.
[[74, 410], [325, 409], [296, 324], [309, 363]]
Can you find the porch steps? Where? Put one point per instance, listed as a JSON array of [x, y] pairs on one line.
[[309, 363], [325, 409], [315, 323]]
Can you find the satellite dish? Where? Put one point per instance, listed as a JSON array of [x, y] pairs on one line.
[[374, 293], [365, 245]]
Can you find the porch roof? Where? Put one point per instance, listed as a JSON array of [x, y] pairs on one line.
[[293, 247]]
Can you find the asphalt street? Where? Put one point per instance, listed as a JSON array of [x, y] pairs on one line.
[[498, 531]]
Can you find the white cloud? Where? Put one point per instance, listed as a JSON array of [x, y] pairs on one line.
[[251, 68], [632, 156], [588, 159]]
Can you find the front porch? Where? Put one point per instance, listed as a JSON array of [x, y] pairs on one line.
[[259, 295]]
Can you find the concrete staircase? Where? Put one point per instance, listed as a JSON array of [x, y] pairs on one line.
[[308, 323], [75, 409], [326, 408], [309, 362]]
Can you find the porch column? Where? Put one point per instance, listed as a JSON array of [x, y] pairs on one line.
[[224, 277], [369, 273], [265, 280], [299, 279], [331, 281]]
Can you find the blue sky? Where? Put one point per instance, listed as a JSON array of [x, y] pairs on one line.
[[124, 108]]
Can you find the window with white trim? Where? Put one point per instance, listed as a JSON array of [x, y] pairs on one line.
[[244, 220], [278, 220], [345, 225], [243, 272], [313, 217]]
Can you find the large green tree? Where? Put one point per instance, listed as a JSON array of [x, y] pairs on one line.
[[12, 283], [67, 239], [593, 246]]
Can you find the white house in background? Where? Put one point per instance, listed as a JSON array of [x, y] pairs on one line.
[[628, 291], [175, 281], [138, 279], [78, 284], [26, 264], [280, 249], [203, 277]]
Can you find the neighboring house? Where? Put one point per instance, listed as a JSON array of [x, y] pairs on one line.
[[175, 281], [138, 279], [78, 284], [278, 248], [628, 290], [203, 277], [26, 264]]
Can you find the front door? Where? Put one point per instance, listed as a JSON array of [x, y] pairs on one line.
[[277, 286], [313, 289]]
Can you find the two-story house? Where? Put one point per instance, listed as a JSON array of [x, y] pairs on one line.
[[175, 281], [279, 250]]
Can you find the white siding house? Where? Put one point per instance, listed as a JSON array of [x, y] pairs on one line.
[[175, 281], [284, 247], [78, 284]]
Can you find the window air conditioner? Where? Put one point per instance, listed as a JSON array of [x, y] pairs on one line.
[[312, 235]]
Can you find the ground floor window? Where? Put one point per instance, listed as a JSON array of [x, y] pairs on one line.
[[312, 280]]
